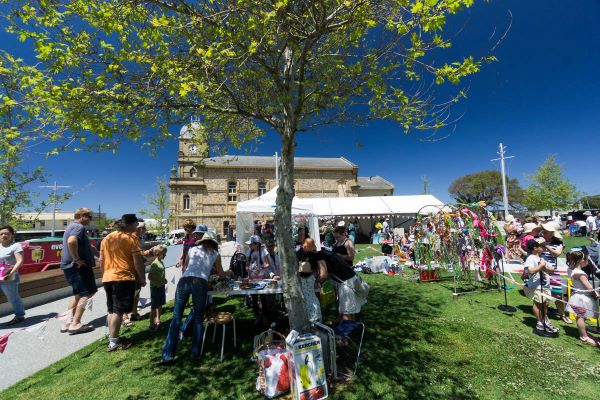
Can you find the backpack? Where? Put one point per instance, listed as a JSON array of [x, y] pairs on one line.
[[238, 265]]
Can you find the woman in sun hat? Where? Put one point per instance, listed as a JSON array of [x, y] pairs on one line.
[[531, 230], [513, 245], [196, 269]]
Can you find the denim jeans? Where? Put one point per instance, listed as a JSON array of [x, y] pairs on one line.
[[198, 288], [11, 291]]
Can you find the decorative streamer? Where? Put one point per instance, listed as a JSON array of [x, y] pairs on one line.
[[4, 341]]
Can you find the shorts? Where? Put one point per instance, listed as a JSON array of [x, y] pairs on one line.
[[119, 296], [158, 296], [82, 280], [536, 295]]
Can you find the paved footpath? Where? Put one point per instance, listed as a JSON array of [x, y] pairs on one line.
[[29, 352]]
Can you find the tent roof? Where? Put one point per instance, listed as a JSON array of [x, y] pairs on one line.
[[376, 205], [265, 204], [373, 205]]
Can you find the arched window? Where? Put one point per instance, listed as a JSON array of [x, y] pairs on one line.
[[193, 173], [186, 201]]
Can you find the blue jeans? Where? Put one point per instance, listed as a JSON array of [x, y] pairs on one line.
[[198, 288], [11, 291]]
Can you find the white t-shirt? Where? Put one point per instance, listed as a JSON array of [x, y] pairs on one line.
[[201, 262], [533, 261], [7, 256], [256, 263], [591, 223]]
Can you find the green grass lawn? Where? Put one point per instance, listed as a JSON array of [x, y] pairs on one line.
[[420, 344]]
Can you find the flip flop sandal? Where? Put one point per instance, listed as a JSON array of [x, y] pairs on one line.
[[589, 340], [64, 330], [81, 329], [127, 323]]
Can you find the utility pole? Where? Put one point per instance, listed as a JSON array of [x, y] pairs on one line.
[[503, 157], [54, 188], [425, 184]]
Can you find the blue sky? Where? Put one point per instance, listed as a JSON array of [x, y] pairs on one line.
[[540, 98]]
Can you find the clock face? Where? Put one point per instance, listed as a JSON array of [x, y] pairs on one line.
[[193, 148]]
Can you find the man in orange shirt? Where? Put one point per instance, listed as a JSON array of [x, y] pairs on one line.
[[120, 260]]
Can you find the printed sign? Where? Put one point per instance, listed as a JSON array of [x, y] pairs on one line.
[[307, 369]]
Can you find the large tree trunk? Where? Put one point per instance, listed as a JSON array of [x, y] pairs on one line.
[[294, 300]]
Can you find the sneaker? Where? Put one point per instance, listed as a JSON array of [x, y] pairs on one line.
[[550, 327], [122, 345], [539, 326]]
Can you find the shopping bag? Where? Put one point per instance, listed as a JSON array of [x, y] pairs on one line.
[[273, 370], [327, 295]]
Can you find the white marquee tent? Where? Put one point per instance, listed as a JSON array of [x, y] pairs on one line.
[[248, 211], [350, 207]]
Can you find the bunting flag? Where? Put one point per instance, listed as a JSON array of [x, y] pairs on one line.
[[143, 302], [90, 304], [4, 342], [35, 327]]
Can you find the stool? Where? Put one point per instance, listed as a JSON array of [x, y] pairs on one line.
[[219, 318]]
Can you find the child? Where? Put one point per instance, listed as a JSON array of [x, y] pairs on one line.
[[307, 283], [583, 301], [156, 276], [538, 284]]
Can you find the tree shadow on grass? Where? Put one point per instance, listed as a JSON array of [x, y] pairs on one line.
[[398, 361], [207, 377]]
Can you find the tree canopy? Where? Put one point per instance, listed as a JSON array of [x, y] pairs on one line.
[[485, 186], [26, 125], [245, 66], [549, 190]]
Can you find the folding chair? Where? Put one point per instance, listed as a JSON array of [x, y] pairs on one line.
[[351, 333]]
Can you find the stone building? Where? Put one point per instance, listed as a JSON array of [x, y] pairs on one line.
[[207, 189]]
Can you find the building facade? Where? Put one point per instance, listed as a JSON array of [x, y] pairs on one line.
[[207, 189], [43, 221]]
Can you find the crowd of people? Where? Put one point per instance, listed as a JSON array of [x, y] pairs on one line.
[[539, 244]]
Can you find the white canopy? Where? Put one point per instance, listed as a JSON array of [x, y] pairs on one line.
[[246, 212], [376, 205], [334, 206]]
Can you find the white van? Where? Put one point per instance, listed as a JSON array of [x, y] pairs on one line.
[[176, 236]]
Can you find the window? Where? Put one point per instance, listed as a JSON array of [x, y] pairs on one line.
[[262, 188], [42, 224], [186, 201], [231, 191], [65, 223], [193, 173]]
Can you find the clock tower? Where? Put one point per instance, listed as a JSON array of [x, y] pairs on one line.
[[189, 143]]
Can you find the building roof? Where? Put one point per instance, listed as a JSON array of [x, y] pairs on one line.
[[373, 182], [269, 161]]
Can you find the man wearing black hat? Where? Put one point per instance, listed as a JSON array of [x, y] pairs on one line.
[[121, 260]]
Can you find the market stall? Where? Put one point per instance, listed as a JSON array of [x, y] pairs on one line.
[[250, 210]]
